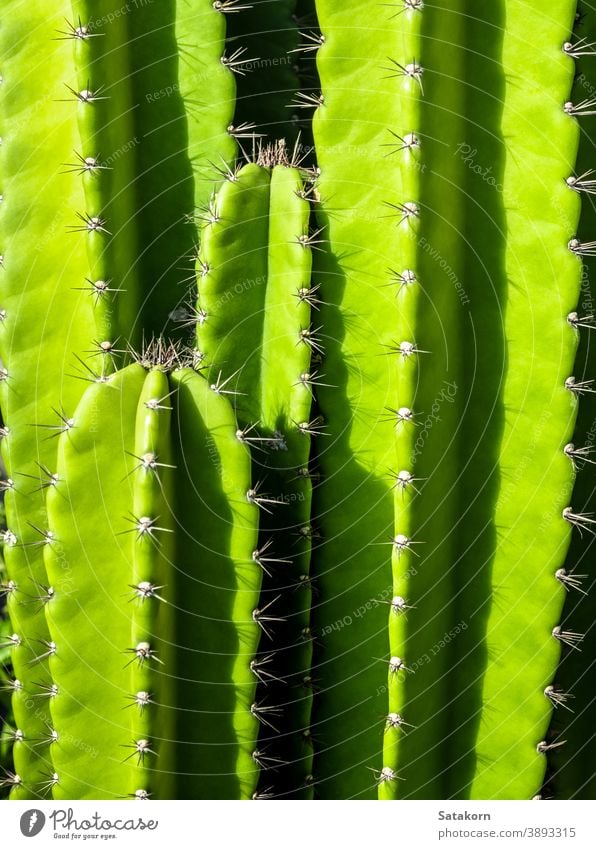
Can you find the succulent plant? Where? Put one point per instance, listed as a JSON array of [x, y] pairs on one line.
[[291, 301]]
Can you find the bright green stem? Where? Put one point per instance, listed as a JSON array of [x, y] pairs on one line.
[[43, 321], [215, 631], [257, 296], [573, 766], [542, 215], [354, 502], [93, 660]]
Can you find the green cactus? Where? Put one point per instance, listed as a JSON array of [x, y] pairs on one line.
[[289, 489]]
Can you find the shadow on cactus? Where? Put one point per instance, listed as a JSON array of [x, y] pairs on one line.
[[288, 334]]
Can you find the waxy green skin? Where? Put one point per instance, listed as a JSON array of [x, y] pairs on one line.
[[214, 636], [251, 295], [354, 502], [45, 322], [572, 766], [91, 618], [533, 537]]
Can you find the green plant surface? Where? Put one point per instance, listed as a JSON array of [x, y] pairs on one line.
[[257, 293], [532, 534], [217, 624], [572, 774], [44, 320], [354, 502], [96, 552]]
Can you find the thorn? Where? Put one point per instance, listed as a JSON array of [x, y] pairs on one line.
[[253, 497], [402, 416], [583, 183], [210, 214], [405, 349], [236, 63], [307, 336], [91, 224], [11, 641], [266, 761], [142, 652], [581, 109], [582, 248], [412, 71], [51, 781], [303, 100], [404, 211], [385, 775], [264, 676], [312, 41], [140, 795], [558, 698], [148, 463], [308, 295], [543, 747], [99, 288], [79, 32], [243, 435], [245, 130], [142, 699], [576, 321], [8, 538], [260, 616], [145, 526], [261, 712], [305, 473], [402, 480], [407, 142], [309, 240], [11, 779], [51, 479], [145, 590], [583, 47], [399, 605], [51, 651], [579, 386], [47, 536], [260, 557], [229, 6], [579, 454], [312, 428], [219, 387], [413, 5], [67, 424], [571, 580], [569, 638], [307, 532], [312, 379], [48, 691], [394, 720], [84, 96], [267, 793], [158, 403], [396, 664], [85, 165], [582, 521], [401, 279], [141, 748]]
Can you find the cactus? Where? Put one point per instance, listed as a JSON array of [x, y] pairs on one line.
[[289, 434]]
